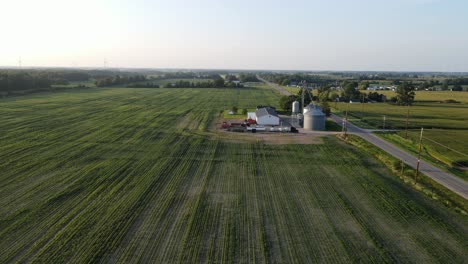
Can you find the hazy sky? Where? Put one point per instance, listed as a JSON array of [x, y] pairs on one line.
[[419, 35]]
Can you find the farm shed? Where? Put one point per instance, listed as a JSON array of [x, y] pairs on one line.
[[251, 115], [267, 116]]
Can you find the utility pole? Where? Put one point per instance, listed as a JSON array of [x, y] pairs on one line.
[[419, 157], [346, 125], [303, 91], [342, 127], [407, 118], [362, 107]]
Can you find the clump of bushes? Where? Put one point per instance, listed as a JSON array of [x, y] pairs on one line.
[[450, 101]]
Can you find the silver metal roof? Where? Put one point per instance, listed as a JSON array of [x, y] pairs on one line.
[[265, 111]]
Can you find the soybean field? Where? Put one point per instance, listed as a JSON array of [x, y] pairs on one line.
[[140, 175], [445, 139]]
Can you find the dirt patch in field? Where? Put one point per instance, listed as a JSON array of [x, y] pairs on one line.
[[271, 138], [287, 138], [187, 122]]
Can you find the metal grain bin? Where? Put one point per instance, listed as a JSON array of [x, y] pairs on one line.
[[308, 108], [314, 120]]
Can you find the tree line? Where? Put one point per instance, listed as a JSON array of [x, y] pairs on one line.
[[421, 81], [405, 96], [21, 81], [185, 75], [287, 79], [119, 80], [248, 77], [216, 83]]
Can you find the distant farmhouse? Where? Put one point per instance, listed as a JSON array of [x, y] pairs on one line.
[[381, 87]]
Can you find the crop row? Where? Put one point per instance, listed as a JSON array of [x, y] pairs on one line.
[[133, 175]]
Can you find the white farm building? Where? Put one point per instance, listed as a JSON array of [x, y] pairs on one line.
[[267, 116]]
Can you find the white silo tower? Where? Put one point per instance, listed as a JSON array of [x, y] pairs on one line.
[[295, 107]]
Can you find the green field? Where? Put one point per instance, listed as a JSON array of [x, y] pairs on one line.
[[444, 144], [445, 124], [137, 175], [90, 83], [435, 96], [291, 89], [446, 148], [428, 115]]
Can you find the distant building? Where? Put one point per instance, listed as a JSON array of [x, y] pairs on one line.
[[381, 88], [267, 116], [338, 88], [251, 115], [354, 101]]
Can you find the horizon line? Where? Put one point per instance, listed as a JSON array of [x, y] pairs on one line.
[[218, 69]]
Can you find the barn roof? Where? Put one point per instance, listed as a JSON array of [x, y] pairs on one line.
[[266, 111]]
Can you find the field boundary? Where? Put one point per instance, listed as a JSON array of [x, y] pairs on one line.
[[424, 184]]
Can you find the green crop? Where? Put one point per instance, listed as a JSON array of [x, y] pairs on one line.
[[138, 175]]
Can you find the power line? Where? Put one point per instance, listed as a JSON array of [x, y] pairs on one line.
[[419, 156], [456, 151]]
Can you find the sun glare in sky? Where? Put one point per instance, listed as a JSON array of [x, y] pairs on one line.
[[416, 35]]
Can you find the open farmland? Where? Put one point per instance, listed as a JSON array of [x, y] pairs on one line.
[[427, 115], [291, 89], [135, 175], [445, 125], [446, 148], [434, 96]]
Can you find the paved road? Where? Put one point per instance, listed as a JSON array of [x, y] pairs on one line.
[[275, 86], [446, 179], [450, 181]]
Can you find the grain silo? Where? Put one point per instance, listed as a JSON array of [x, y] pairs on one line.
[[314, 120], [295, 107], [308, 108]]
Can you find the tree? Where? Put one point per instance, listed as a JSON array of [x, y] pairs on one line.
[[333, 96], [234, 109], [244, 111], [445, 86], [457, 87], [230, 77], [374, 96], [248, 77], [425, 85], [323, 100], [405, 93], [350, 92], [363, 85], [325, 108], [307, 97], [286, 102], [219, 82], [323, 95]]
